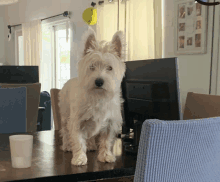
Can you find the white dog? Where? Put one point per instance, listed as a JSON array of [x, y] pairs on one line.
[[90, 104]]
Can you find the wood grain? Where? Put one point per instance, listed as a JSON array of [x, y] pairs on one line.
[[49, 160]]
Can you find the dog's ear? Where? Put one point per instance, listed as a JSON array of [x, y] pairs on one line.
[[89, 41], [117, 43]]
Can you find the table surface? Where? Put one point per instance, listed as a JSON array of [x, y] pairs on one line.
[[49, 160]]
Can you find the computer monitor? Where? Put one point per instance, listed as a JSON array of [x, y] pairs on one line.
[[19, 74], [150, 90]]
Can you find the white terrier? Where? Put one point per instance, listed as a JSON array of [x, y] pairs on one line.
[[90, 104]]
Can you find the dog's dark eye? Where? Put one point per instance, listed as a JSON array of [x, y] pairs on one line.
[[109, 68]]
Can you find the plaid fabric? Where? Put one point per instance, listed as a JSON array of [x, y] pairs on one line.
[[179, 151]]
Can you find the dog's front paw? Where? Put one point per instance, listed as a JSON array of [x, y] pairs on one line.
[[79, 160], [106, 156]]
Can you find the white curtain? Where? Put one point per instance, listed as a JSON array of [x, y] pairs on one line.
[[143, 29], [140, 21], [32, 41]]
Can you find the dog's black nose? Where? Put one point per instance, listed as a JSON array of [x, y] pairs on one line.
[[99, 82]]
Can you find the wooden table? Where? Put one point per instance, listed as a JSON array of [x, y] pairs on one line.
[[48, 160]]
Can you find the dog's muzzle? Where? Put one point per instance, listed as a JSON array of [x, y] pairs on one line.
[[99, 82]]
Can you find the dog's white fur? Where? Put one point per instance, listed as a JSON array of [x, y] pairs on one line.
[[88, 112]]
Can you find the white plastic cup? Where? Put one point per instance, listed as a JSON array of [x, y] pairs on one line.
[[21, 147]]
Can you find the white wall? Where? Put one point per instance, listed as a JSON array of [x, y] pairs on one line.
[[2, 34], [28, 10], [194, 70]]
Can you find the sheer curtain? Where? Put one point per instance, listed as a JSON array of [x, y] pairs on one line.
[[32, 42], [143, 29], [141, 23]]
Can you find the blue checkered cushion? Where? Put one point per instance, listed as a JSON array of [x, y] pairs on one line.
[[179, 151]]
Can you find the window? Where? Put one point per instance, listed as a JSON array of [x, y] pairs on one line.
[[63, 57], [19, 48], [55, 63]]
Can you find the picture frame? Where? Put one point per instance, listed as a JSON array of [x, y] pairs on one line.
[[190, 27]]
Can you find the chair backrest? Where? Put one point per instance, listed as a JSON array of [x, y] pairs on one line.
[[55, 107], [44, 96], [182, 150], [13, 110], [201, 106], [33, 100]]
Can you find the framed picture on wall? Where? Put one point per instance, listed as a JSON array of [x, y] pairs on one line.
[[190, 27]]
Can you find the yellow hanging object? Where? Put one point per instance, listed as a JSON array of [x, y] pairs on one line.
[[90, 16]]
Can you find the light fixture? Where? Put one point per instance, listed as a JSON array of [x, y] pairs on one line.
[[110, 1], [7, 2]]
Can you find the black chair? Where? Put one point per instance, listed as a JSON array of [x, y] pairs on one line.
[[44, 112]]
